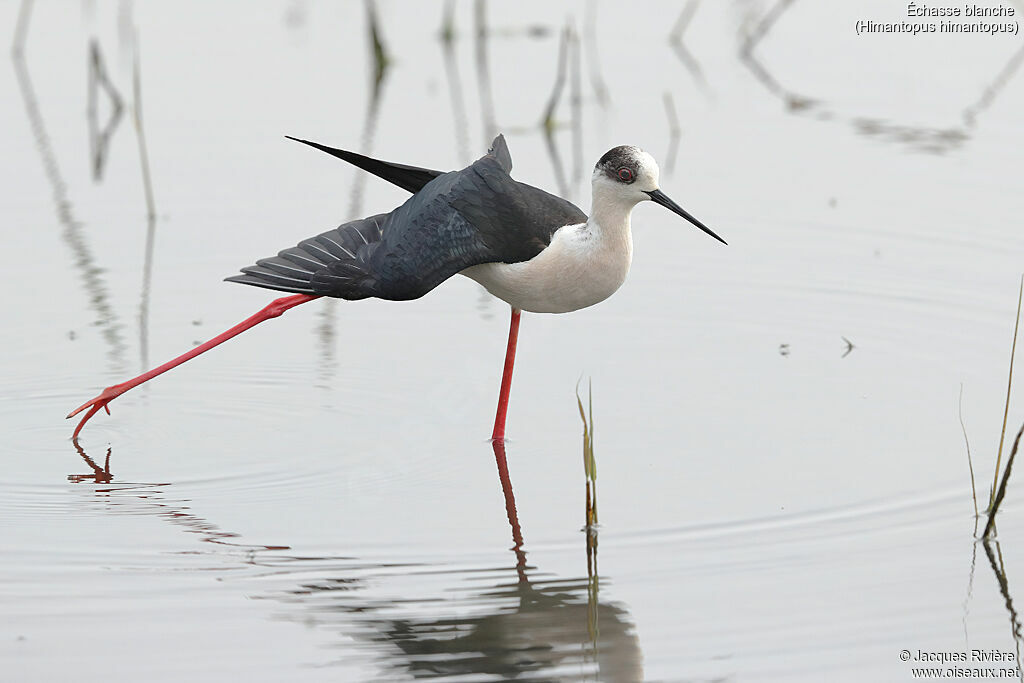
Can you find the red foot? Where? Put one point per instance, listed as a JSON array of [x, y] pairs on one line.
[[94, 405]]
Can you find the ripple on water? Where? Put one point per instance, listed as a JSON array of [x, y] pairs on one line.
[[864, 518]]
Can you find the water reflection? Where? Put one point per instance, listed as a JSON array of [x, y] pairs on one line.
[[510, 506], [597, 81], [548, 628], [99, 475], [379, 67], [483, 71], [935, 140], [675, 39], [548, 118], [994, 554], [296, 15], [994, 88], [995, 560], [147, 184], [151, 498], [675, 133], [576, 108], [454, 80], [521, 624], [764, 26], [99, 136], [421, 620], [569, 67], [72, 232]]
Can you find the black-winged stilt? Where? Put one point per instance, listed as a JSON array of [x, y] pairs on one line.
[[535, 251]]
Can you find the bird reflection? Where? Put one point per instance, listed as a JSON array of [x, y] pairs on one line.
[[545, 630], [524, 624], [520, 624]]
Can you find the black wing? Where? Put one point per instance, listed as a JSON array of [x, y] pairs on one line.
[[457, 220]]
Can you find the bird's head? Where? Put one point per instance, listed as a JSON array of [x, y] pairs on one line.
[[627, 175]]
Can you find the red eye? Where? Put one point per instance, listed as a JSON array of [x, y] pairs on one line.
[[625, 175]]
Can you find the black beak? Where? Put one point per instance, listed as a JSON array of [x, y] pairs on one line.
[[660, 197]]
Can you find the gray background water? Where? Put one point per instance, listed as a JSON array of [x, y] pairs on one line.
[[317, 499]]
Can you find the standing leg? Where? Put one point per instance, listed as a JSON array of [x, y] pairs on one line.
[[272, 310], [506, 378]]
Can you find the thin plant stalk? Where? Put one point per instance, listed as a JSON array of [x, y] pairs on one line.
[[1006, 408], [590, 450], [589, 462], [990, 526], [970, 463]]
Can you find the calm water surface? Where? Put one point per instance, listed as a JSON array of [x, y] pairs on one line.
[[317, 500]]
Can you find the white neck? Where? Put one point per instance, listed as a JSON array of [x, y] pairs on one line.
[[609, 220]]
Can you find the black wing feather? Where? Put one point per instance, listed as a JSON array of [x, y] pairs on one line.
[[454, 221]]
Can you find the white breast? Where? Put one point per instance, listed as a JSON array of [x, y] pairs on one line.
[[582, 266]]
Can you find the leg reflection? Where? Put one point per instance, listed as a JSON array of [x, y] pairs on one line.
[[510, 507]]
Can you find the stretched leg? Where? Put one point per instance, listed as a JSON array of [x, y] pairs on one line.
[[506, 378], [272, 310]]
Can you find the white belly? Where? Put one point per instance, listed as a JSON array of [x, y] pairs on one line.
[[581, 267]]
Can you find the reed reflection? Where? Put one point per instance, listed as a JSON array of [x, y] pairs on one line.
[[483, 71], [995, 559], [682, 52], [454, 80], [379, 67], [935, 140], [72, 233], [147, 184], [100, 136]]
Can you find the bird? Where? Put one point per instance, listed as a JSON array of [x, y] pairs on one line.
[[534, 250]]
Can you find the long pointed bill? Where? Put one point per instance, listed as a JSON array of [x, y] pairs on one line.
[[659, 197]]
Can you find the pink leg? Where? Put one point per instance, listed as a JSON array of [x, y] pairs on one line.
[[272, 310], [506, 378]]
